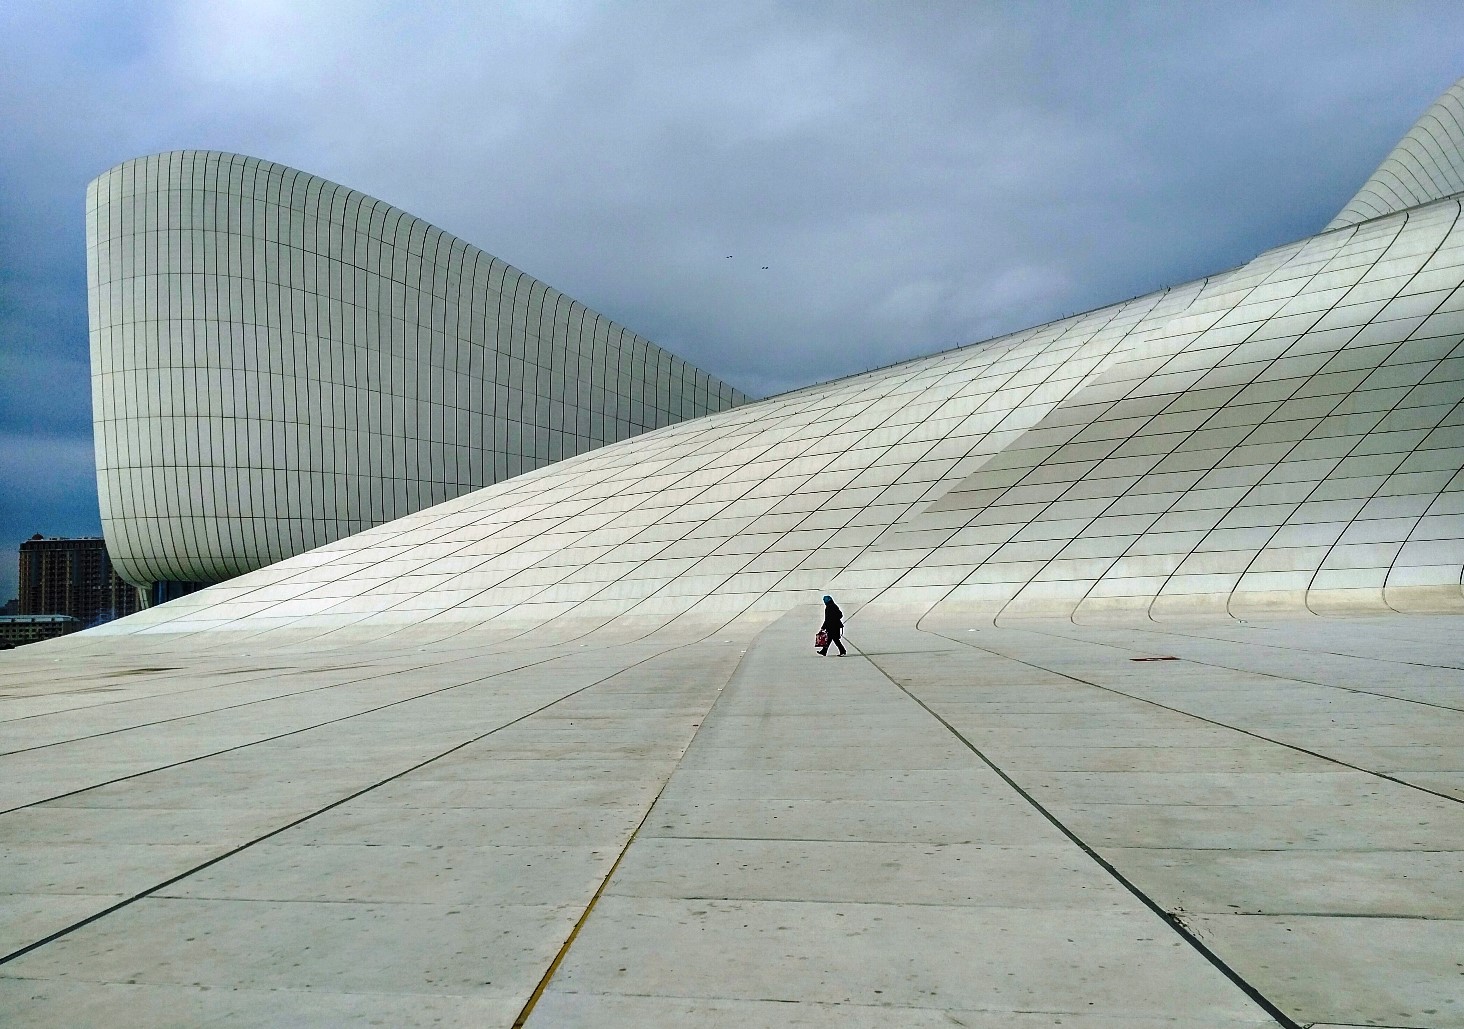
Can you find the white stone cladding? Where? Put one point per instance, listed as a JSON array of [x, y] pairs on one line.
[[1427, 164], [1288, 434], [279, 361], [1285, 434]]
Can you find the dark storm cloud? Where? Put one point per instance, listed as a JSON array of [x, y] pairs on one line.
[[915, 176]]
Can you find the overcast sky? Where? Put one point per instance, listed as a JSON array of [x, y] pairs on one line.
[[915, 176]]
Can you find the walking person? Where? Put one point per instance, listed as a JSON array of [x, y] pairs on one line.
[[833, 624]]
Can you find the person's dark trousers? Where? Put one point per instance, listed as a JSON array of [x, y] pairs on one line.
[[834, 639]]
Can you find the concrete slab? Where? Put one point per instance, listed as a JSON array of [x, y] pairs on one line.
[[1426, 824], [220, 826], [27, 917], [895, 956], [613, 1010], [81, 868], [1323, 783], [419, 792], [756, 879], [1055, 876], [517, 766], [968, 817], [258, 783], [47, 1003], [820, 835], [496, 951], [855, 784], [424, 874], [1361, 971], [813, 756], [1243, 756], [1421, 884]]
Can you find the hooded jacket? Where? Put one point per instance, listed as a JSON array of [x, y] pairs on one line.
[[833, 617]]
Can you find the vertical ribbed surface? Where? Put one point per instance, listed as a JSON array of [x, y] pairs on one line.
[[279, 362]]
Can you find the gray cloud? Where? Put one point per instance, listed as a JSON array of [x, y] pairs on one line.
[[914, 176]]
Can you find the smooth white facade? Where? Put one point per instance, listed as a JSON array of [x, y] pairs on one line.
[[279, 361], [1427, 164], [1286, 434], [546, 754]]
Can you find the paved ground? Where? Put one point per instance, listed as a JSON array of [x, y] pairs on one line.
[[957, 824]]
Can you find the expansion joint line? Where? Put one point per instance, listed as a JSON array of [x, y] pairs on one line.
[[278, 736], [202, 713], [1169, 919], [151, 890], [1211, 721], [528, 1009], [1169, 631]]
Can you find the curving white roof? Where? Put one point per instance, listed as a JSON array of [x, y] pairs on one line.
[[1427, 164], [1287, 433]]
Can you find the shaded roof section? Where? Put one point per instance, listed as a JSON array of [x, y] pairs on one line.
[[1426, 165]]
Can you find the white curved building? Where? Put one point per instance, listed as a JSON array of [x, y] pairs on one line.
[[1285, 434], [279, 361], [1152, 717], [1427, 163]]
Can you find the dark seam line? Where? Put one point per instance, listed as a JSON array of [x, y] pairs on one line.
[[958, 375], [713, 898], [142, 698], [1148, 628], [1091, 379], [280, 736], [1210, 721], [1156, 628], [205, 712], [1263, 278], [1338, 914], [1286, 850], [568, 571], [1169, 919], [1201, 717], [1335, 256], [528, 1008], [320, 811], [1396, 407]]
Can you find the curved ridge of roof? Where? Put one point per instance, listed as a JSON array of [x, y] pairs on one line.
[[1426, 165], [1283, 436], [307, 361]]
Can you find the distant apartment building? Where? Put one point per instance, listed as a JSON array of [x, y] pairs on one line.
[[73, 577], [18, 629]]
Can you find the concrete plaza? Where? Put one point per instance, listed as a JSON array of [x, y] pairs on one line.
[[1132, 824]]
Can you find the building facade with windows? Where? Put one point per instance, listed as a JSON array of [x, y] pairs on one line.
[[17, 630], [73, 577]]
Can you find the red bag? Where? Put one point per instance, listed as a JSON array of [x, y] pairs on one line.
[[821, 640]]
